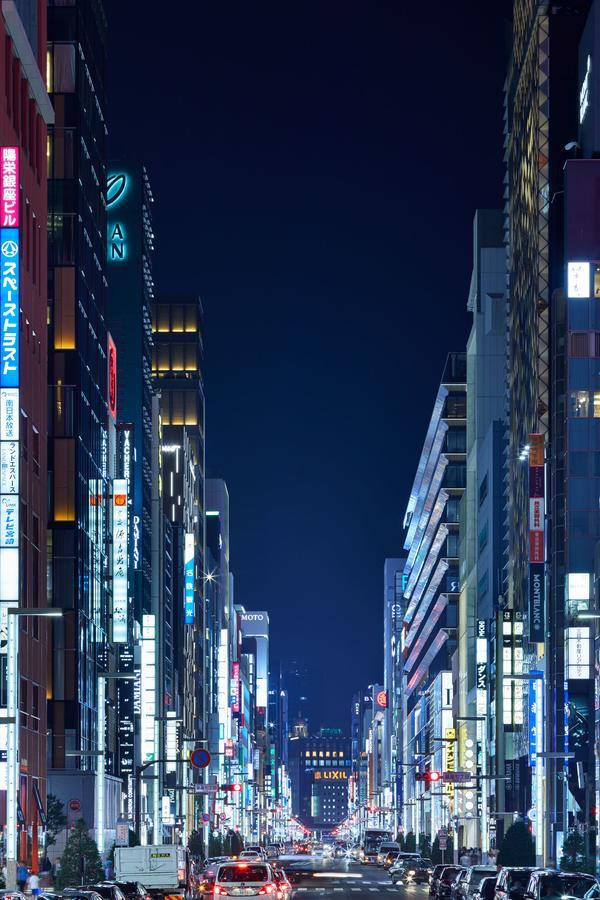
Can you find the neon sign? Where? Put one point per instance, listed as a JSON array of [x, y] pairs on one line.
[[112, 378], [189, 579], [120, 561], [9, 308], [9, 188], [116, 188]]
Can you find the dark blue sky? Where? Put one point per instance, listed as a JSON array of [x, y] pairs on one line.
[[316, 166]]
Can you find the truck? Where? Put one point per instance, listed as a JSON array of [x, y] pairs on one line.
[[163, 869]]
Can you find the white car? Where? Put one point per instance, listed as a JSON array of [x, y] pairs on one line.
[[245, 879]]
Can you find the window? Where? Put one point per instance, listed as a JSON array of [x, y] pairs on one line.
[[579, 404], [35, 707], [596, 409], [596, 281], [64, 69], [483, 489], [483, 586], [483, 537], [580, 344], [35, 450]]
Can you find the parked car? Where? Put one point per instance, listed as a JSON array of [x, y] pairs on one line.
[[12, 895], [106, 890], [485, 890], [548, 884], [133, 890], [471, 881], [81, 894], [445, 881], [512, 882], [456, 888], [435, 877], [244, 878]]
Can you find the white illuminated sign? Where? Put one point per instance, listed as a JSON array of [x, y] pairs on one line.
[[578, 586], [120, 560], [584, 93], [9, 414], [578, 652], [148, 689], [578, 279], [9, 520], [9, 467]]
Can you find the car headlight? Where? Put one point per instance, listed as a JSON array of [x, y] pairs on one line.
[[411, 872]]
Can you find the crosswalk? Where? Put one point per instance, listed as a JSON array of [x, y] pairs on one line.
[[364, 887]]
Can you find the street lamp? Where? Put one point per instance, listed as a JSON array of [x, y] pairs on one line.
[[12, 728]]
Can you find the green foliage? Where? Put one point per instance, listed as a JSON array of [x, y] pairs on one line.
[[237, 843], [56, 818], [518, 847], [215, 846], [80, 862], [400, 839], [574, 858], [134, 840], [410, 843], [196, 844], [424, 846]]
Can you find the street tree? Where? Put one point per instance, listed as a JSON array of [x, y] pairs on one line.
[[518, 847], [80, 862]]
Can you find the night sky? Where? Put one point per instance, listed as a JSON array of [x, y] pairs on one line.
[[316, 167]]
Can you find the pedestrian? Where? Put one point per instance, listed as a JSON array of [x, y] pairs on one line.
[[33, 883], [21, 877], [465, 858]]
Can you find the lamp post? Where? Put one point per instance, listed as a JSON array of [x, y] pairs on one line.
[[12, 728]]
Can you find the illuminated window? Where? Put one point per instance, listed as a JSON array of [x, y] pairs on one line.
[[597, 404], [579, 404]]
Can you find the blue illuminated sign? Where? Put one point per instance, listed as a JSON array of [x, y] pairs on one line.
[[189, 579], [536, 717], [9, 307]]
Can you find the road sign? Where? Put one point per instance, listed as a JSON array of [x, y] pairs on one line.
[[75, 805], [458, 777], [205, 817], [442, 839], [205, 789], [200, 758]]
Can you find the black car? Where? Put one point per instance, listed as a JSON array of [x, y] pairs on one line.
[[547, 884], [107, 890], [512, 882], [132, 890], [418, 872], [435, 877], [444, 883], [485, 889]]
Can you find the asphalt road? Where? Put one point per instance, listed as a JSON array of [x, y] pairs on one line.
[[342, 879]]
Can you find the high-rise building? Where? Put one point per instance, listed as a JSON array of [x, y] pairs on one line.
[[432, 591], [81, 418], [394, 583], [178, 382], [321, 767], [25, 113], [543, 101], [479, 702]]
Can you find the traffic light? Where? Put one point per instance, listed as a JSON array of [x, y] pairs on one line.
[[428, 776], [235, 788]]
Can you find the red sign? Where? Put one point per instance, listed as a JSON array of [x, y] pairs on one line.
[[75, 805], [199, 758], [229, 748], [112, 378], [382, 699], [536, 546], [9, 188]]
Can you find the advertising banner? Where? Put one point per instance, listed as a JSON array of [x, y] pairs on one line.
[[537, 543]]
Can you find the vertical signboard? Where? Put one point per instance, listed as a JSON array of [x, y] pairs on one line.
[[112, 378], [481, 662], [537, 549], [189, 579], [9, 481], [148, 688], [235, 688], [120, 556]]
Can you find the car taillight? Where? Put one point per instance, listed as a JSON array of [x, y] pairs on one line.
[[267, 889], [220, 890]]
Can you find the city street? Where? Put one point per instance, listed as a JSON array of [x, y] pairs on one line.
[[343, 879]]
